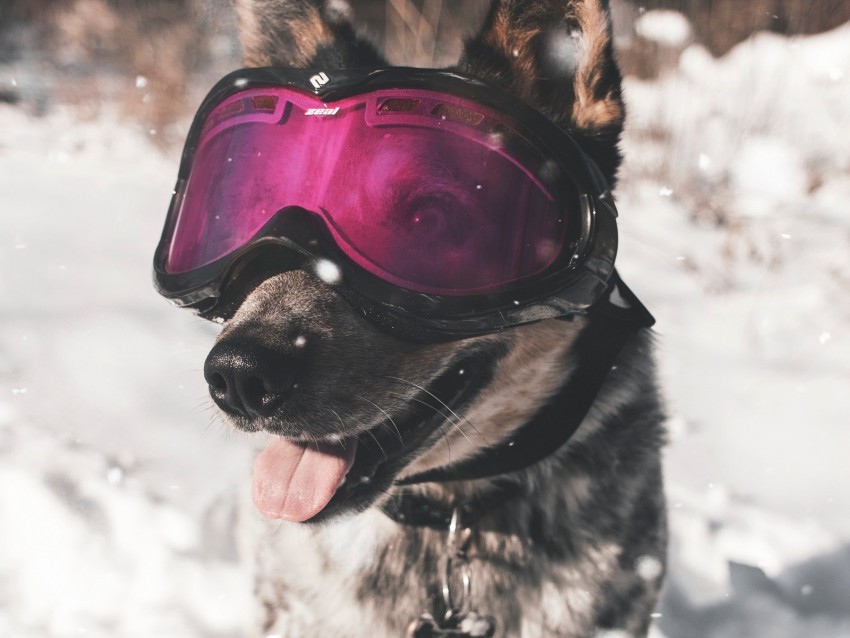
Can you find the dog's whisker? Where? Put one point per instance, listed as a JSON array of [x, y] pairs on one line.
[[447, 440], [378, 443], [460, 419], [213, 417], [456, 415], [339, 418], [204, 406], [366, 430], [409, 400], [215, 424], [439, 425], [311, 440], [341, 428], [385, 413]]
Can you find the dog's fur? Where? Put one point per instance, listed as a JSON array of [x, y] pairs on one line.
[[571, 557]]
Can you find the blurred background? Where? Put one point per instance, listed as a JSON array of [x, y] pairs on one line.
[[119, 489]]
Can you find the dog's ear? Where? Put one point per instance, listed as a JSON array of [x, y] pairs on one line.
[[302, 33], [558, 56]]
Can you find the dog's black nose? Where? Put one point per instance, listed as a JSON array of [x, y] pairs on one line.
[[248, 379]]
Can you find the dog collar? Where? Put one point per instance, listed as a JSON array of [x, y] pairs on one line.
[[417, 510], [612, 323]]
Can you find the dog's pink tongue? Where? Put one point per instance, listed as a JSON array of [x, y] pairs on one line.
[[296, 481]]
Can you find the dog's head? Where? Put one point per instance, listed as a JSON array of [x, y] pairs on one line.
[[350, 407]]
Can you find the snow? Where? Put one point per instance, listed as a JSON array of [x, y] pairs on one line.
[[119, 490], [669, 28], [116, 506], [735, 232]]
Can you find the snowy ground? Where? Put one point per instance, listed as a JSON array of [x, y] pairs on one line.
[[117, 491]]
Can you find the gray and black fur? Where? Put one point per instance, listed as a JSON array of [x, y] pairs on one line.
[[583, 550]]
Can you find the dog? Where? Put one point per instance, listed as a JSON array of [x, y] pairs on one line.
[[569, 544]]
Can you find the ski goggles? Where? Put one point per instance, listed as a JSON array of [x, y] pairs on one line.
[[433, 202]]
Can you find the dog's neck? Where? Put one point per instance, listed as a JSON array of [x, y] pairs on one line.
[[419, 509]]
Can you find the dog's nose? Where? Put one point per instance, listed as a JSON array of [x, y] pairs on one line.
[[248, 379]]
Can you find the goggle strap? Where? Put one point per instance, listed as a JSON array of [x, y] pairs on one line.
[[620, 303], [611, 326]]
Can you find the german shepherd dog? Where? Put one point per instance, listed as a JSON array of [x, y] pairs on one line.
[[572, 545]]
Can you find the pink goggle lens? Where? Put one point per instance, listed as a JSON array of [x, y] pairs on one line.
[[427, 191]]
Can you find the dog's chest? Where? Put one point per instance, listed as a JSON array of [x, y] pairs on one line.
[[317, 581], [366, 576]]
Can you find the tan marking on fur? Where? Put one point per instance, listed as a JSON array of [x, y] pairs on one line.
[[265, 46], [249, 33], [262, 304], [312, 34], [589, 111], [516, 39], [508, 37]]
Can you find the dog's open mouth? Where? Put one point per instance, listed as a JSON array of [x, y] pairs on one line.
[[311, 482]]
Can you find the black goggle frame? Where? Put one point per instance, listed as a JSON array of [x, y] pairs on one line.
[[581, 277]]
